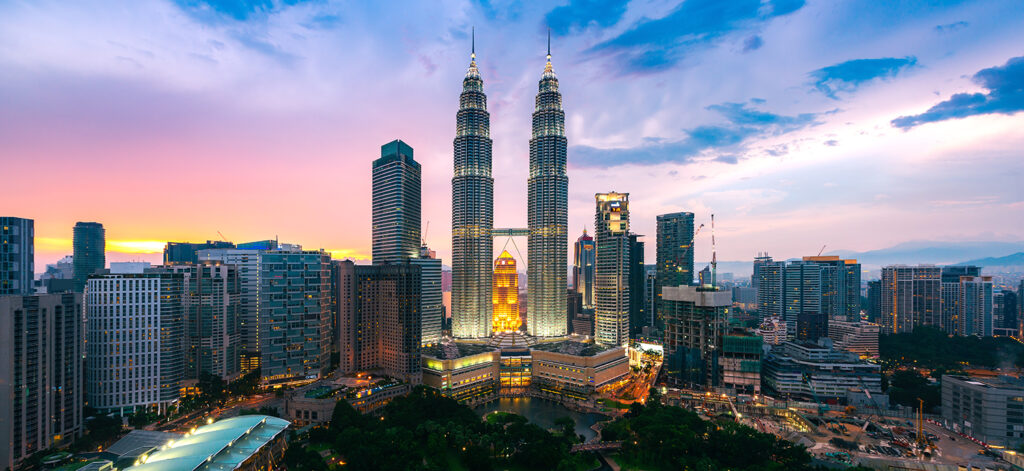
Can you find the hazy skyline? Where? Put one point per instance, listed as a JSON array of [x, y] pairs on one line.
[[856, 125]]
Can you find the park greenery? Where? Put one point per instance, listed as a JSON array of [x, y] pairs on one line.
[[930, 348], [657, 437], [426, 431], [907, 357], [907, 386]]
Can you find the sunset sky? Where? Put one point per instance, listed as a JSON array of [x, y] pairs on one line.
[[858, 125]]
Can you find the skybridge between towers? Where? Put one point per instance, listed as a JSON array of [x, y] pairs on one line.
[[509, 232]]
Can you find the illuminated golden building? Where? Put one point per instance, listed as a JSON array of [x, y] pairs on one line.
[[505, 289]]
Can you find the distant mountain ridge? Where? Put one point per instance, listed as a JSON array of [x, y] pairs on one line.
[[982, 253], [932, 252], [1012, 260]]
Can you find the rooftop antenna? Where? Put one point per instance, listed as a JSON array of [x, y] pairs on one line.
[[549, 44], [714, 254]]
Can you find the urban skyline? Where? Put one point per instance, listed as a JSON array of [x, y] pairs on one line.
[[246, 274], [834, 111]]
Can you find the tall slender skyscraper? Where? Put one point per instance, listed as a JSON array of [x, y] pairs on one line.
[[396, 204], [547, 213], [637, 280], [583, 270], [611, 287], [17, 255], [473, 212], [674, 253], [90, 243]]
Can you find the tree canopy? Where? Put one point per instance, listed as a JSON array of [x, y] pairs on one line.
[[929, 347], [658, 437]]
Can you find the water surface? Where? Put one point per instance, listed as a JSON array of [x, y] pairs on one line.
[[543, 412]]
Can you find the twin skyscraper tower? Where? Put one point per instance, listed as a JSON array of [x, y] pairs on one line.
[[473, 229]]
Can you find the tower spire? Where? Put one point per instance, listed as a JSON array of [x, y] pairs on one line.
[[549, 44], [473, 47], [547, 67]]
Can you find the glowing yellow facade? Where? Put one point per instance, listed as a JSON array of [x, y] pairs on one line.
[[505, 292]]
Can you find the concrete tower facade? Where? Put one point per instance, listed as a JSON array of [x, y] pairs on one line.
[[472, 211], [547, 213], [611, 287]]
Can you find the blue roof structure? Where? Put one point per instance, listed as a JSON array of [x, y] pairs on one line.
[[222, 445]]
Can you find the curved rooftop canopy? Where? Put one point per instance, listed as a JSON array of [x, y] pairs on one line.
[[222, 445]]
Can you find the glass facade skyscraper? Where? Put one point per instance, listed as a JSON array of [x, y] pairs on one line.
[[186, 252], [396, 204], [17, 255], [294, 315], [675, 249], [90, 244], [673, 254], [583, 270], [611, 286], [472, 212], [547, 213], [637, 280]]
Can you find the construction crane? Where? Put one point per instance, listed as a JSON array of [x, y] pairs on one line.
[[814, 393], [225, 239], [423, 240], [682, 255], [922, 440], [822, 250], [714, 253]]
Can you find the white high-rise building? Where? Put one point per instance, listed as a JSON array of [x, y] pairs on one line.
[[611, 285], [134, 344]]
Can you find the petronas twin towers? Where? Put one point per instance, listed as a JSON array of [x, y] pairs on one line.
[[473, 212]]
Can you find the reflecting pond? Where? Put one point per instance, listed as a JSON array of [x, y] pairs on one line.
[[543, 412]]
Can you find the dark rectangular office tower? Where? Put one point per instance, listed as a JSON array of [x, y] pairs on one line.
[[379, 325], [583, 270], [41, 348], [186, 252], [90, 244], [396, 204], [674, 254], [811, 326], [17, 255], [637, 281]]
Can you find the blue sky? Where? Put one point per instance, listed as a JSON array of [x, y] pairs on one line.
[[858, 125]]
